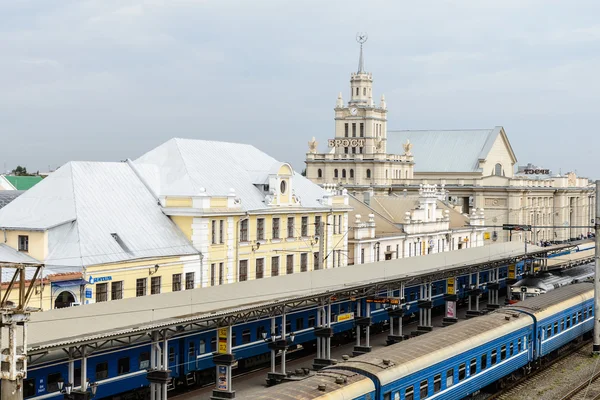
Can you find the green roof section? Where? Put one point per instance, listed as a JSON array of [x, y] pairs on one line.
[[23, 182]]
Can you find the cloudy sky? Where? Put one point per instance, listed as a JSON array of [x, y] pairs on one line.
[[110, 79]]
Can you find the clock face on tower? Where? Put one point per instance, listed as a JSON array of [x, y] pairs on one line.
[[354, 111]]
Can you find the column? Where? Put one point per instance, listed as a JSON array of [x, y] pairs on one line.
[[362, 321], [159, 374], [450, 297], [493, 286], [278, 344], [223, 360], [323, 332], [396, 313], [473, 293], [425, 305]]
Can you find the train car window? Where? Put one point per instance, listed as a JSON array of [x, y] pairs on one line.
[[101, 371], [202, 347], [568, 324], [579, 316], [574, 318], [473, 367], [288, 326], [511, 348], [192, 351], [387, 396], [171, 354], [413, 296], [494, 357], [299, 324], [123, 365], [549, 331], [437, 383], [424, 389], [462, 369], [53, 382], [590, 311], [246, 337], [233, 339], [503, 353], [585, 314], [259, 331], [77, 377], [450, 377], [409, 393], [213, 344], [311, 321], [562, 325], [483, 361], [145, 360], [29, 387], [519, 346]]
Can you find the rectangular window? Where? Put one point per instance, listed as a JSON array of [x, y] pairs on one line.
[[362, 129], [299, 324], [176, 283], [289, 264], [275, 266], [213, 344], [243, 270], [189, 280], [304, 227], [101, 292], [311, 321], [140, 287], [511, 348], [579, 316], [29, 387], [503, 353], [275, 228], [303, 262], [53, 382], [155, 285], [494, 357], [23, 243], [260, 268], [409, 393], [437, 383], [202, 346], [354, 129], [483, 361], [244, 231], [145, 360], [101, 371], [171, 355], [246, 338], [221, 273], [346, 129], [123, 366], [450, 377], [221, 231], [260, 229], [424, 389], [462, 371], [317, 224], [519, 346], [473, 367], [574, 319], [214, 231], [212, 274], [288, 326], [290, 227], [191, 351], [549, 331], [562, 325], [556, 325], [316, 260]]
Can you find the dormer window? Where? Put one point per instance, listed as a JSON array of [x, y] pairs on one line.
[[283, 187]]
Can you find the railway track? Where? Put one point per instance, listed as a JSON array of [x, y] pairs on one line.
[[563, 361], [588, 390]]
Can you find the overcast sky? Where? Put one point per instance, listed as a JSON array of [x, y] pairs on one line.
[[111, 79]]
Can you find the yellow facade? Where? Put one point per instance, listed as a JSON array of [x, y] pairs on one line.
[[37, 242]]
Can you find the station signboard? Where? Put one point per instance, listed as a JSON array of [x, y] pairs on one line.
[[382, 300], [450, 286], [223, 340], [345, 317]]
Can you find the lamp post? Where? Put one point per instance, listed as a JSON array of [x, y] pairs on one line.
[[69, 394]]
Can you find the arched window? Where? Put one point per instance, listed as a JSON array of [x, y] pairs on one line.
[[368, 174], [335, 173], [352, 174], [365, 91], [498, 170], [319, 173], [343, 173]]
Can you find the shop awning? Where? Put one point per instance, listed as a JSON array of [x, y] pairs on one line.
[[71, 283]]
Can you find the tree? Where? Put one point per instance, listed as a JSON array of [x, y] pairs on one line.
[[20, 171]]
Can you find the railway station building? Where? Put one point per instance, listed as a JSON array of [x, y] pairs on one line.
[[185, 215], [477, 167]]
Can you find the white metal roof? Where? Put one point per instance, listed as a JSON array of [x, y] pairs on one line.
[[183, 167], [82, 204], [445, 150], [104, 319]]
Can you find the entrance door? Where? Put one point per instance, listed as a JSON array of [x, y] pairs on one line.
[[64, 299]]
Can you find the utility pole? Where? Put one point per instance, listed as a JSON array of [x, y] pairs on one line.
[[321, 244], [596, 347]]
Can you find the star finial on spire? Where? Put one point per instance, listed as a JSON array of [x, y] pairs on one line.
[[361, 37]]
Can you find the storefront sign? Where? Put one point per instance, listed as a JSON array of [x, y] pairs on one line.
[[451, 309], [88, 293], [346, 142], [93, 280], [222, 378], [537, 171], [345, 317]]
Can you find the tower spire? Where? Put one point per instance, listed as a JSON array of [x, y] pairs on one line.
[[361, 38]]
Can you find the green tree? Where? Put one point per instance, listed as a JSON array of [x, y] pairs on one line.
[[20, 171]]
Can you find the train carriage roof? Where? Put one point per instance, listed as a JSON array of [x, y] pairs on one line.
[[351, 385]]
